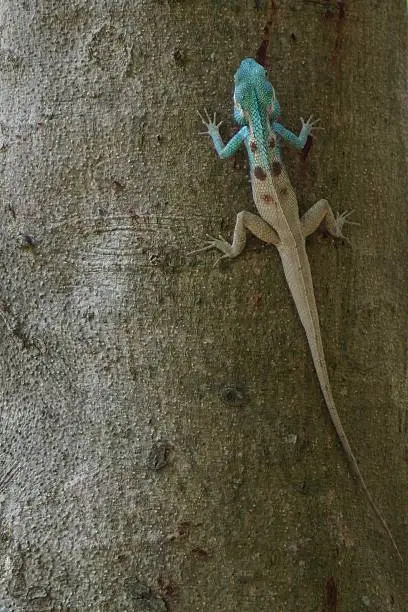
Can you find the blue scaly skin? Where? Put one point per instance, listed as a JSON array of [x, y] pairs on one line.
[[256, 111]]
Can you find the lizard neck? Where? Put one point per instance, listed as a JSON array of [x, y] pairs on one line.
[[262, 145], [257, 121]]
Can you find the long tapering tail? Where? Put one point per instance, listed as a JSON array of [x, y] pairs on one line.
[[334, 415], [299, 278]]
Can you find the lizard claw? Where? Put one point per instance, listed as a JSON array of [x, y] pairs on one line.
[[215, 243], [207, 117], [310, 125], [207, 247], [209, 244], [217, 261], [341, 220], [211, 124]]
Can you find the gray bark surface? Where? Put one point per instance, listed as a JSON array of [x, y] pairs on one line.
[[164, 442]]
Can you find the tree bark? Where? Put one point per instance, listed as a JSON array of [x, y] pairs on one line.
[[164, 442]]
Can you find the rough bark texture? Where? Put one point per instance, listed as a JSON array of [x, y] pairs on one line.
[[164, 443]]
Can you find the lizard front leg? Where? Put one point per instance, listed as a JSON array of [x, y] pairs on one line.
[[321, 212], [245, 221]]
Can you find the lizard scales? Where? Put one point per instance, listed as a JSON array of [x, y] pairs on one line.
[[256, 110]]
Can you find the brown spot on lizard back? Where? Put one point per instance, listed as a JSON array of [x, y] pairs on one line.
[[259, 173], [276, 168]]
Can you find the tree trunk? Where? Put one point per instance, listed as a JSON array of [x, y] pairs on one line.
[[164, 442]]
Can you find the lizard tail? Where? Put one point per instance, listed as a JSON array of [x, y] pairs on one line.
[[334, 415], [299, 278]]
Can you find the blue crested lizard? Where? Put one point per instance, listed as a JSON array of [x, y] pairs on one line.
[[256, 110]]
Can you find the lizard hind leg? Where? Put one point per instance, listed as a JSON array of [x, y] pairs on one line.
[[245, 221], [321, 212]]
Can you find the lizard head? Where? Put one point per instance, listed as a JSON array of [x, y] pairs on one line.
[[251, 78]]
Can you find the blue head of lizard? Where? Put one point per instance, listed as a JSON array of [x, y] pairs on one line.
[[252, 89]]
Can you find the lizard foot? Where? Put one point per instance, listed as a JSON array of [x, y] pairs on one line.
[[216, 243], [211, 124], [309, 125], [343, 219]]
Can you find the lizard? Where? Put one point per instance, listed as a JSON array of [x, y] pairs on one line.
[[256, 111]]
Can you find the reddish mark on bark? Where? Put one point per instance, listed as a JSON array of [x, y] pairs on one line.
[[341, 5], [276, 168], [259, 173], [256, 300], [305, 151], [330, 594], [339, 13], [260, 55], [253, 146]]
